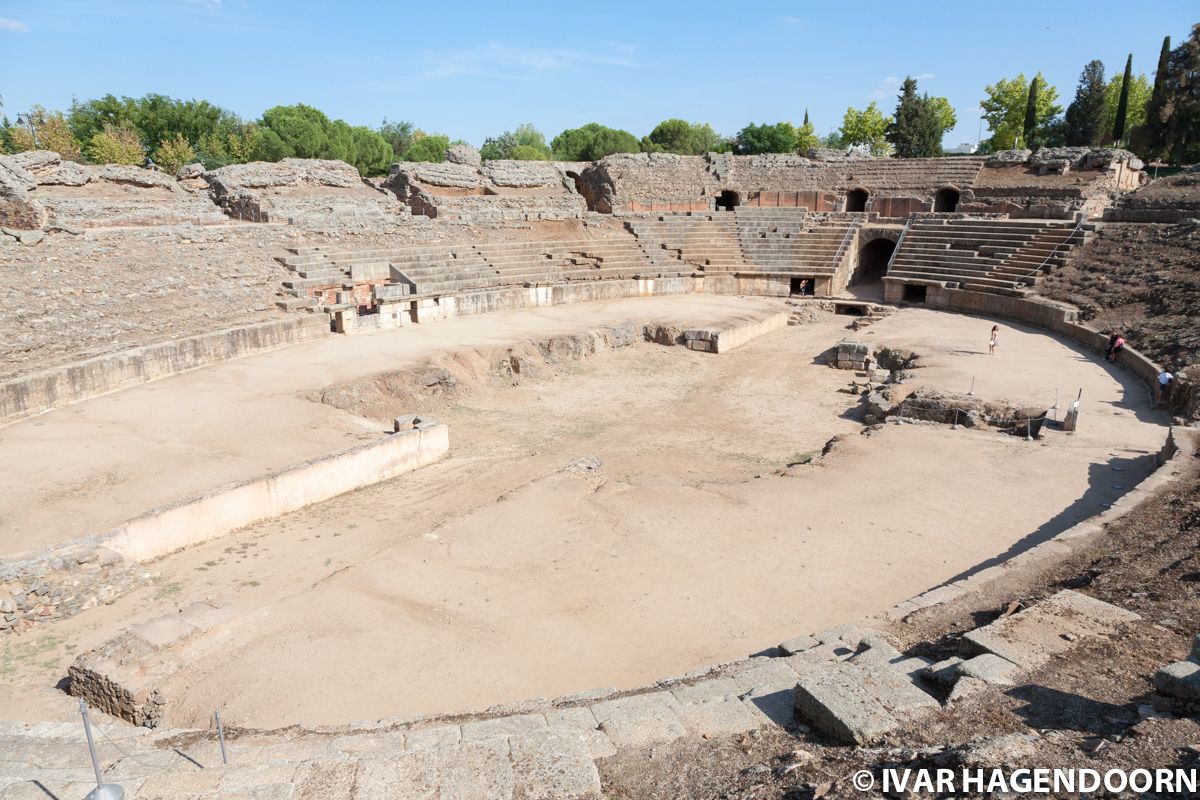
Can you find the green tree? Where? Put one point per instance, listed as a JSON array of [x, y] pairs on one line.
[[1118, 126], [525, 140], [915, 130], [45, 130], [1137, 97], [173, 153], [1085, 116], [806, 136], [1181, 111], [866, 128], [427, 148], [116, 144], [397, 134], [372, 153], [685, 138], [1149, 139], [1005, 107], [782, 137], [947, 119], [156, 118], [1029, 124], [591, 142], [297, 131]]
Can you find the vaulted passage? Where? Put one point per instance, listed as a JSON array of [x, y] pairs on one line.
[[856, 200], [945, 200], [728, 201], [873, 260]]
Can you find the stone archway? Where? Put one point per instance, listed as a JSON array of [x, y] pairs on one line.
[[728, 200], [856, 200], [946, 200], [873, 258]]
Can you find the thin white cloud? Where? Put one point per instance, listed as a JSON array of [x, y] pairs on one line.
[[13, 25], [510, 61], [790, 20], [213, 4]]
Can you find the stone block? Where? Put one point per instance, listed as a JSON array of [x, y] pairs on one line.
[[834, 702], [425, 738], [1180, 679], [465, 771], [640, 720], [165, 631], [945, 672], [846, 634], [990, 668], [501, 727], [553, 765], [710, 689], [798, 644], [718, 717], [1031, 637], [404, 422], [764, 675]]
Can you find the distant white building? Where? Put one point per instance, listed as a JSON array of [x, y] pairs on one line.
[[966, 148]]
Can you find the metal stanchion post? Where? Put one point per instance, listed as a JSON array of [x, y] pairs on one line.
[[221, 738], [954, 425], [1029, 430], [971, 393], [103, 791]]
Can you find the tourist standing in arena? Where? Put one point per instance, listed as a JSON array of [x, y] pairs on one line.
[[993, 340]]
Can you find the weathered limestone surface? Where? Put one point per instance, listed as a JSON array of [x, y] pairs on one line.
[[1031, 637]]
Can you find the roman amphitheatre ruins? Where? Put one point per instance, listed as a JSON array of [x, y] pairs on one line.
[[657, 476]]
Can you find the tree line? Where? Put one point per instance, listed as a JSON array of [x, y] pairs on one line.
[[1159, 119]]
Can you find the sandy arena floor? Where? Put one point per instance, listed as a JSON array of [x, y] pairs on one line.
[[494, 576]]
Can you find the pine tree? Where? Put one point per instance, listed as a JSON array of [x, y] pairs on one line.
[[1181, 92], [1085, 115], [1149, 139], [1123, 102], [915, 131], [1030, 114]]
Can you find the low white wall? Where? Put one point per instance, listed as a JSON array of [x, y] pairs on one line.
[[216, 513], [738, 335], [60, 386]]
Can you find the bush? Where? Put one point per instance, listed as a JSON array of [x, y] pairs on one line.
[[427, 148], [592, 142], [524, 152], [50, 132], [116, 144], [174, 153]]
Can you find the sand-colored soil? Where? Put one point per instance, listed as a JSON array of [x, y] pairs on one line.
[[495, 576]]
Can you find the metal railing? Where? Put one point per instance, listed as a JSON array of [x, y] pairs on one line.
[[850, 231], [899, 244]]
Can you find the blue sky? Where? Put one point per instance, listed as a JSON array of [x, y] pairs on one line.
[[475, 69]]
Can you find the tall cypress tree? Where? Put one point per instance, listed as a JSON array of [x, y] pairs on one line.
[[1150, 138], [1085, 115], [1030, 114], [1123, 102]]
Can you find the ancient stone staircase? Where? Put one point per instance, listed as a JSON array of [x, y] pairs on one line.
[[998, 255]]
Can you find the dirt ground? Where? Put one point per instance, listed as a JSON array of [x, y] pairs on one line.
[[1094, 707], [498, 575], [1142, 280]]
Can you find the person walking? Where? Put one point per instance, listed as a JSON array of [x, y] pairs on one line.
[[995, 338]]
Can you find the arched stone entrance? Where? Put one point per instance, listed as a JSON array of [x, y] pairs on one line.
[[856, 200], [946, 200], [873, 260], [728, 200]]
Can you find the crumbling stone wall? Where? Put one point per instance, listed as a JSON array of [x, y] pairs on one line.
[[494, 191], [309, 193], [38, 188], [1019, 182]]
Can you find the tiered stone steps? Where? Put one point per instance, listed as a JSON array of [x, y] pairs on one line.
[[707, 241], [790, 240], [452, 269], [983, 254], [913, 173]]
